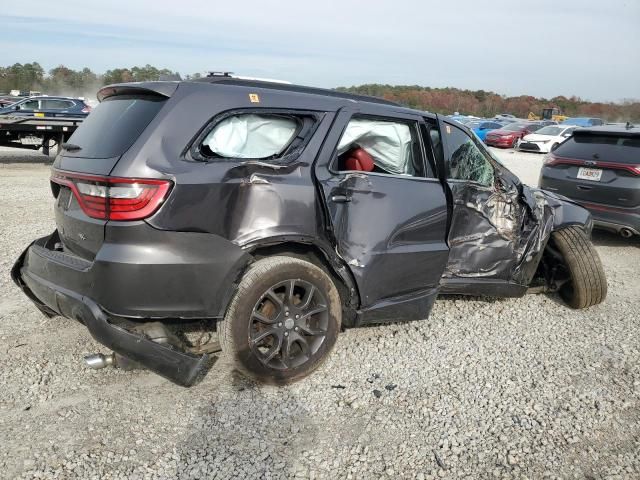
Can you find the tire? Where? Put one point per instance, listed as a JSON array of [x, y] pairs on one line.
[[515, 143], [587, 285], [263, 309]]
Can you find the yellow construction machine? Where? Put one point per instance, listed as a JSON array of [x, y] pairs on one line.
[[549, 114]]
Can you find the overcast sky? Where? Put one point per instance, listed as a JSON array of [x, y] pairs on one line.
[[588, 48]]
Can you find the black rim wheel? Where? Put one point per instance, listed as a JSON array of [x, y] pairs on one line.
[[288, 324]]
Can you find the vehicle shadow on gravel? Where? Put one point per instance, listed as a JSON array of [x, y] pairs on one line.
[[248, 430]]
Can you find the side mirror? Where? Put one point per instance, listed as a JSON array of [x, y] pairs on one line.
[[17, 107], [554, 146]]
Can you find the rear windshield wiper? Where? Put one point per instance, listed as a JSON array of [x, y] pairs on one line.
[[71, 147]]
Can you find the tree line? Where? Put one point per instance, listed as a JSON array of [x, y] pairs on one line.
[[62, 80], [488, 104]]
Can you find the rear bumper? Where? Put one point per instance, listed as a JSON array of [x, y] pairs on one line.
[[614, 219], [534, 147], [62, 284], [178, 366], [604, 216]]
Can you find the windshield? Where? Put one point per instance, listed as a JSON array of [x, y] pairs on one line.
[[551, 131], [114, 125], [474, 124]]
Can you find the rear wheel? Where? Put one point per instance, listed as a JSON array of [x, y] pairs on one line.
[[587, 284], [515, 142], [283, 320]]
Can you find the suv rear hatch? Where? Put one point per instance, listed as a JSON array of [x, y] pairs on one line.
[[86, 197], [599, 166]]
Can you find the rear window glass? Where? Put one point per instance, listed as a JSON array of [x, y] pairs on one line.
[[114, 125], [251, 136], [607, 148]]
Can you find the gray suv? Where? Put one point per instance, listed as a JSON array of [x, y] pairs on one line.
[[260, 219], [599, 167]]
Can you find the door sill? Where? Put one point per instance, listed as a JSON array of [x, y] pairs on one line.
[[481, 287]]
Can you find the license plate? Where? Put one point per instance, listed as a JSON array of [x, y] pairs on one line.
[[31, 141], [593, 174]]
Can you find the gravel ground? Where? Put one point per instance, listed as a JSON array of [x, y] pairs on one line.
[[485, 388]]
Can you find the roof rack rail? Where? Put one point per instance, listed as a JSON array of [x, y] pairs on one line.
[[229, 79]]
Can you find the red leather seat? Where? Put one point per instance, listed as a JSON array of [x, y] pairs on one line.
[[359, 160]]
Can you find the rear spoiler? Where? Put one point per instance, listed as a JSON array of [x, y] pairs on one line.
[[165, 89]]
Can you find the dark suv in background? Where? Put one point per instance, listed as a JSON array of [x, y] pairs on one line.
[[599, 167], [270, 216], [46, 106]]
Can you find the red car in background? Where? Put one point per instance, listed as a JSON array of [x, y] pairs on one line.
[[509, 135]]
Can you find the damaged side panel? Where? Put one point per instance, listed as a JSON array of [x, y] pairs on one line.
[[497, 234], [389, 229], [261, 200]]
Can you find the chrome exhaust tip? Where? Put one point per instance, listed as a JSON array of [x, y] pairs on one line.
[[98, 360], [626, 233]]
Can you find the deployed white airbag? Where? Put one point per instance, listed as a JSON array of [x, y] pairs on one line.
[[251, 136], [389, 144]]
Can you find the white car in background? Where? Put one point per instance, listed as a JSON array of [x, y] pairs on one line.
[[546, 138]]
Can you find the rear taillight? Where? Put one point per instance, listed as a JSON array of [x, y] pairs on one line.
[[112, 198], [552, 159], [86, 109]]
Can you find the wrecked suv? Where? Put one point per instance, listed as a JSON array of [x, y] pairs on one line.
[[271, 216]]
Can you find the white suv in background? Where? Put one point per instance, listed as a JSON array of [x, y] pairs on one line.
[[545, 139]]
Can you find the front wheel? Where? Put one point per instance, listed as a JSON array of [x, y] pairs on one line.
[[283, 320], [587, 284]]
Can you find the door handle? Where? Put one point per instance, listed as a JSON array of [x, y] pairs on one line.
[[584, 187], [340, 199]]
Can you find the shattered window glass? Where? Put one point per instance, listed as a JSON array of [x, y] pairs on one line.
[[390, 144], [251, 136], [467, 161]]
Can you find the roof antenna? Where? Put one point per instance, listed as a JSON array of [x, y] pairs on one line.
[[629, 126]]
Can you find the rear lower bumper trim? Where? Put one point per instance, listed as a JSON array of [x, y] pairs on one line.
[[614, 226], [175, 365]]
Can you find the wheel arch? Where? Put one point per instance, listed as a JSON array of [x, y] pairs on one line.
[[320, 255]]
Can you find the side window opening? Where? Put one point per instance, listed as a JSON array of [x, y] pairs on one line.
[[380, 146], [30, 105], [467, 161], [254, 136], [436, 145]]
